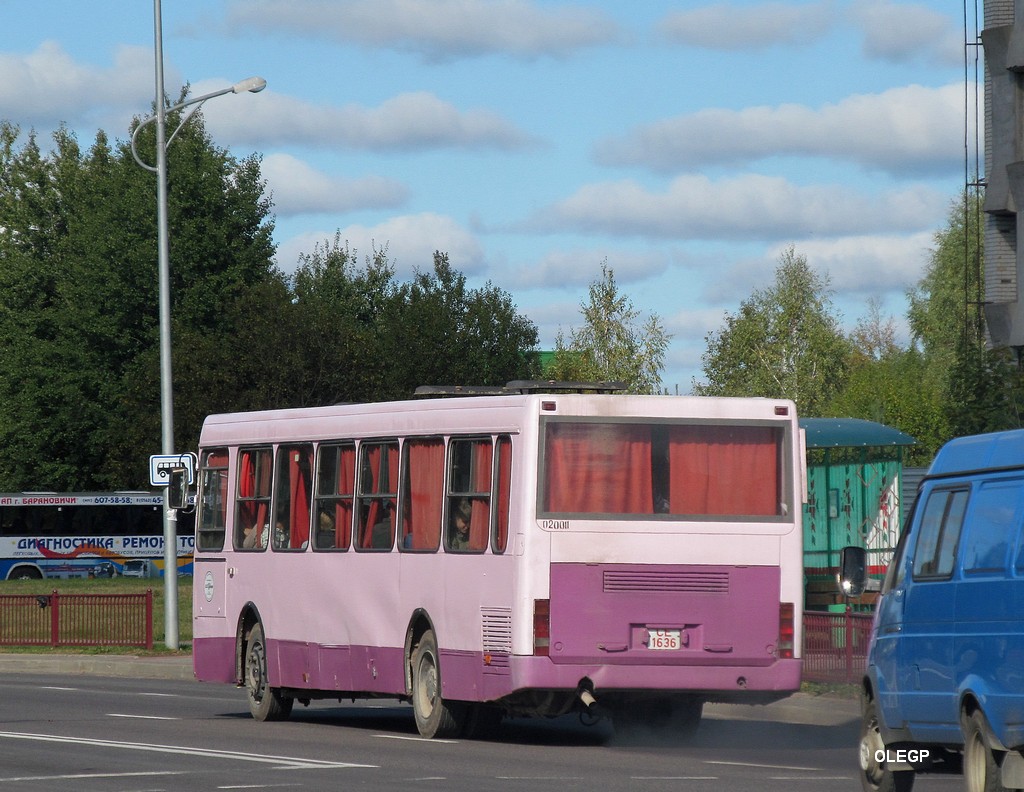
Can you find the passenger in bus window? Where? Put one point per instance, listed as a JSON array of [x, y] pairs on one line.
[[383, 529], [462, 515], [255, 539]]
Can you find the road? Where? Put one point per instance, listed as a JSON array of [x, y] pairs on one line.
[[90, 733]]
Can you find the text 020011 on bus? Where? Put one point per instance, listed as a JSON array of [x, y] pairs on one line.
[[944, 686], [87, 534], [521, 554]]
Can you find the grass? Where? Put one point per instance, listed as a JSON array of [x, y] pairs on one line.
[[117, 585]]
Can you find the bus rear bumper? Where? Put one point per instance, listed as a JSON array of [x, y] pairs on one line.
[[751, 684]]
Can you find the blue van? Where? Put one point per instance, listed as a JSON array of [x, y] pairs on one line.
[[945, 676]]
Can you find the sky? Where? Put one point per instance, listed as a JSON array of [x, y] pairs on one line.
[[686, 145]]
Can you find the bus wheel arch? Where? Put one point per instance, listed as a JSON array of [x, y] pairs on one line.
[[419, 624], [25, 572]]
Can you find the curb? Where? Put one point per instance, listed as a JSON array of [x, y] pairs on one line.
[[170, 667]]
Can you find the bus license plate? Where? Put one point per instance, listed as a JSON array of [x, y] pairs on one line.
[[664, 639]]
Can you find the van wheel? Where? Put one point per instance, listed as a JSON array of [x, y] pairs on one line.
[[265, 703], [435, 717], [981, 773], [874, 775]]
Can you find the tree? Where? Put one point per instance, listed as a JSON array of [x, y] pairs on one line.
[[610, 345], [79, 395], [784, 342], [447, 334]]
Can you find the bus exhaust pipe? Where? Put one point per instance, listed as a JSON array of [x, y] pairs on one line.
[[585, 693]]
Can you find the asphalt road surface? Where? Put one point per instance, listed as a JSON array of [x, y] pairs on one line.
[[72, 731]]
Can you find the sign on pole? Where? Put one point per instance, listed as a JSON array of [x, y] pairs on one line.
[[161, 465]]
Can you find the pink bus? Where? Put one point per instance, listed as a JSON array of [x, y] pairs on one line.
[[522, 554]]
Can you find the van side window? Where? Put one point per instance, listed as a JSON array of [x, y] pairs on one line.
[[938, 533], [992, 527]]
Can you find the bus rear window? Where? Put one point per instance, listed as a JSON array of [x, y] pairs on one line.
[[677, 470]]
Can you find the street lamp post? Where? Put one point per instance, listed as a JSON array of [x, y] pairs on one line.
[[254, 85]]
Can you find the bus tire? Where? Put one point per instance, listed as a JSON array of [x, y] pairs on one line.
[[435, 717], [25, 573], [874, 775], [265, 703], [981, 773]]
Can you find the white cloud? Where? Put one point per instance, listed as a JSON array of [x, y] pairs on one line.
[[900, 32], [742, 207], [410, 121], [907, 129], [411, 241], [436, 29], [47, 86], [300, 189], [869, 265], [723, 26], [577, 269]]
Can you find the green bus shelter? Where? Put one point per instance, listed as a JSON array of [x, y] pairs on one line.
[[854, 476]]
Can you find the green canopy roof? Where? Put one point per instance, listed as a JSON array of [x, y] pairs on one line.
[[851, 432]]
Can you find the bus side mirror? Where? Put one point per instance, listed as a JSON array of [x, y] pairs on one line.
[[853, 571], [177, 489]]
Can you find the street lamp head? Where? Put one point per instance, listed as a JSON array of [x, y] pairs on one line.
[[252, 85]]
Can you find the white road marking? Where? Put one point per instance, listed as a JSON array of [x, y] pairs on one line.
[[72, 776], [766, 766], [282, 762], [143, 717]]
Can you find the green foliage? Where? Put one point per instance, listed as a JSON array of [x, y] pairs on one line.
[[80, 373], [785, 342], [984, 392], [610, 345]]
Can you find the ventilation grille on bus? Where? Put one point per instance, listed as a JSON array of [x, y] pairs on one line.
[[497, 624], [666, 580]]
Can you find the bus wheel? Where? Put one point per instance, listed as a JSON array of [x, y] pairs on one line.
[[25, 573], [874, 775], [981, 774], [435, 717], [265, 703]]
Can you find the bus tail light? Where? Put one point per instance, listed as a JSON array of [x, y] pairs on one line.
[[786, 630], [541, 627]]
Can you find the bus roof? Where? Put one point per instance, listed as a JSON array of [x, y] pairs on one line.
[[476, 413]]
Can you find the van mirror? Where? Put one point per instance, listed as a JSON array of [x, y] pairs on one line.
[[853, 571], [177, 488]]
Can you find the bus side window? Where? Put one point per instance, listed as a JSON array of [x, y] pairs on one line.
[[378, 482], [252, 516], [422, 494], [469, 495], [213, 500], [294, 488], [503, 493], [335, 483]]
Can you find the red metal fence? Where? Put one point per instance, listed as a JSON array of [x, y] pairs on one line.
[[77, 620], [835, 645]]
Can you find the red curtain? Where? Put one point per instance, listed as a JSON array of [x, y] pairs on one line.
[[421, 523], [598, 468], [480, 520], [346, 485], [503, 492], [300, 465], [724, 470]]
